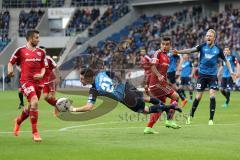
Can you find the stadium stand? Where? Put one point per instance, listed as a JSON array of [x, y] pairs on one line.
[[81, 19], [29, 20], [4, 27], [121, 50], [78, 3], [32, 3]]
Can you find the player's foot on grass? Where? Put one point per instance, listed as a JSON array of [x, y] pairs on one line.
[[190, 100], [210, 122], [189, 119], [36, 137], [16, 129], [20, 106], [225, 105], [184, 102], [149, 130], [172, 124]]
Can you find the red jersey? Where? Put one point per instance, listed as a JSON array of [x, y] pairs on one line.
[[30, 61], [50, 65], [161, 61]]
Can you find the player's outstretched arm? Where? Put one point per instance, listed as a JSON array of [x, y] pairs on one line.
[[185, 51], [10, 70], [85, 108]]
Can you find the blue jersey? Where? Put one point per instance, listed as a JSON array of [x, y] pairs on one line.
[[105, 84], [173, 62], [233, 61], [208, 62], [186, 69]]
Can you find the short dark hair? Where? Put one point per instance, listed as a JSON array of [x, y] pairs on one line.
[[87, 72], [30, 33], [166, 38]]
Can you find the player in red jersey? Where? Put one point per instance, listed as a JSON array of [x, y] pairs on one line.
[[31, 61], [50, 81], [159, 87]]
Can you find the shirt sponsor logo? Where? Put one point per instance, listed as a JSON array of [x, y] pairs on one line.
[[33, 60], [209, 56]]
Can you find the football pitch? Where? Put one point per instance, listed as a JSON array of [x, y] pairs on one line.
[[119, 134]]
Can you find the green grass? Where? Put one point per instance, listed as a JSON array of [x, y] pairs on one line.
[[119, 134]]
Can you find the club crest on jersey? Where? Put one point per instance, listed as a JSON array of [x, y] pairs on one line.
[[39, 53]]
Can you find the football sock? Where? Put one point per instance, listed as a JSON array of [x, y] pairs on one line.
[[20, 95], [153, 119], [191, 94], [224, 93], [228, 97], [194, 107], [34, 119], [52, 101], [212, 107], [180, 93], [170, 114], [23, 116]]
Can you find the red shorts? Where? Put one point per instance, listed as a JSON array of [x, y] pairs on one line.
[[31, 89], [49, 87], [161, 92]]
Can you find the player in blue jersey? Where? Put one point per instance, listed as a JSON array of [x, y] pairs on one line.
[[186, 73], [171, 76], [227, 81], [107, 84], [208, 68]]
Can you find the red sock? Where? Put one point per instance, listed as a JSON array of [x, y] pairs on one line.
[[23, 116], [33, 119], [52, 101], [153, 119]]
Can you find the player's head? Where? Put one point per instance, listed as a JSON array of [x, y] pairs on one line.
[[32, 37], [210, 36], [142, 52], [227, 51], [166, 44], [86, 76]]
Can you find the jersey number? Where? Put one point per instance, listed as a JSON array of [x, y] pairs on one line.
[[107, 85]]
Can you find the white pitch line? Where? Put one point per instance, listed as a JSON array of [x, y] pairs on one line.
[[86, 125], [113, 128]]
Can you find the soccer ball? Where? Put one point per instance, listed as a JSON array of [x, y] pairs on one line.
[[63, 104]]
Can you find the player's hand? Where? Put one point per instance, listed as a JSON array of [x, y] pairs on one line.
[[10, 74], [37, 76], [175, 52], [160, 78]]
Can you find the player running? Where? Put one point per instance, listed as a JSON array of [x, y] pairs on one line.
[[107, 84], [159, 87], [31, 61], [186, 73], [227, 81], [208, 68], [171, 76]]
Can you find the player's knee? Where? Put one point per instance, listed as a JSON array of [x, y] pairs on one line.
[[34, 102]]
